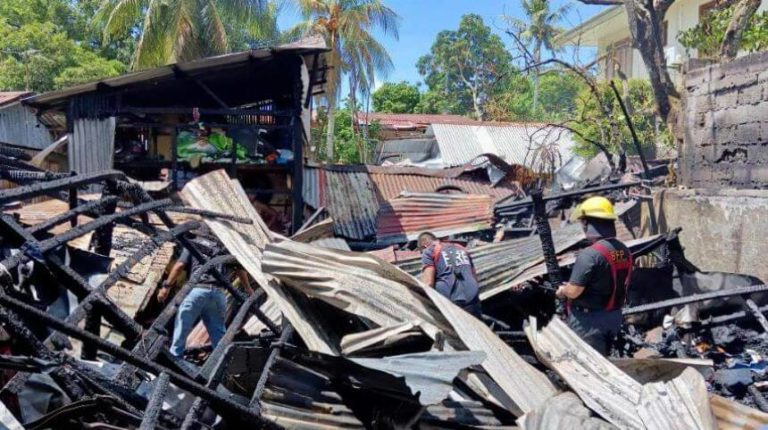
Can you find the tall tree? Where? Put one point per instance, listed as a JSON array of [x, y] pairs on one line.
[[466, 66], [47, 44], [399, 97], [538, 31], [646, 18], [180, 30], [347, 27]]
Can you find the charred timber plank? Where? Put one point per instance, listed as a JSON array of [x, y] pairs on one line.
[[221, 404], [155, 405], [755, 310], [666, 304], [221, 364], [502, 207], [138, 194], [75, 283], [82, 309], [760, 400], [94, 206], [273, 356], [39, 189]]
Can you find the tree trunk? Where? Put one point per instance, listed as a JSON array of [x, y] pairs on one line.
[[743, 11], [332, 94], [645, 27], [537, 59], [331, 124], [476, 105]]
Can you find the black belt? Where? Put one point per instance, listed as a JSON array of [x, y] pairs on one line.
[[584, 310]]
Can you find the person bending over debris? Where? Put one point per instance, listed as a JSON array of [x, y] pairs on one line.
[[448, 267], [205, 301], [600, 277]]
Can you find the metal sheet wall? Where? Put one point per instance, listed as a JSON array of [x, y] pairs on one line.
[[19, 126], [92, 145]]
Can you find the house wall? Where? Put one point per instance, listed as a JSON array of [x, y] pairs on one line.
[[718, 227], [725, 118], [681, 16]]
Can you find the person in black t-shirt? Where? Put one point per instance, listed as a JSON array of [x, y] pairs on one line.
[[600, 278], [448, 268]]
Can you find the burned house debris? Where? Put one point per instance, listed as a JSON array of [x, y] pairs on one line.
[[338, 331]]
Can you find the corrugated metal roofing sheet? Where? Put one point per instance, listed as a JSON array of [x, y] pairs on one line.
[[461, 143], [410, 120], [11, 96], [498, 264], [353, 194], [405, 217], [20, 126], [307, 45]]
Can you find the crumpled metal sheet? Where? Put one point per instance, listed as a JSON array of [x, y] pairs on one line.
[[732, 415], [428, 374], [499, 264], [680, 404], [564, 411], [355, 342], [405, 217], [342, 280], [613, 394], [371, 288], [217, 192]]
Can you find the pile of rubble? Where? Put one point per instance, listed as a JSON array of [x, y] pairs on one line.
[[334, 338]]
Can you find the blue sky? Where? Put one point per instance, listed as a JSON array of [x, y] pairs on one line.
[[423, 19]]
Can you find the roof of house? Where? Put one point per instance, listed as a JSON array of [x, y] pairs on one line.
[[460, 144], [408, 121], [217, 72], [7, 97], [586, 33]]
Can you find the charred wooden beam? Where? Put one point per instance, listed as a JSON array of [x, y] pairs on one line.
[[42, 188], [670, 303], [755, 311], [97, 206], [155, 405], [221, 404]]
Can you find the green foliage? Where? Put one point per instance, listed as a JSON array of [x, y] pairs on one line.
[[707, 36], [41, 57], [593, 125], [183, 30], [350, 146], [434, 102], [396, 98], [48, 44], [557, 98], [464, 67]]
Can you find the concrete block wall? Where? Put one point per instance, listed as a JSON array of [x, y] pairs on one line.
[[725, 114], [722, 229]]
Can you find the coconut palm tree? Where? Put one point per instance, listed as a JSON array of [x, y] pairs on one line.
[[346, 26], [538, 31], [181, 30]]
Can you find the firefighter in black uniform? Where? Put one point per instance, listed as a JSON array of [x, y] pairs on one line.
[[598, 285]]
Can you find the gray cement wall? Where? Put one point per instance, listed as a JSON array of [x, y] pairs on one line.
[[722, 231], [725, 118]]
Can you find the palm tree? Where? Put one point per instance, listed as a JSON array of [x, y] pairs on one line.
[[181, 30], [346, 26], [538, 31]]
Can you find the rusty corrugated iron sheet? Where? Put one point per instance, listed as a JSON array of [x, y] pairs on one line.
[[353, 194], [11, 96], [403, 218]]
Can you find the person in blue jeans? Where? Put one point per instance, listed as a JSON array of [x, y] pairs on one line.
[[206, 301]]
